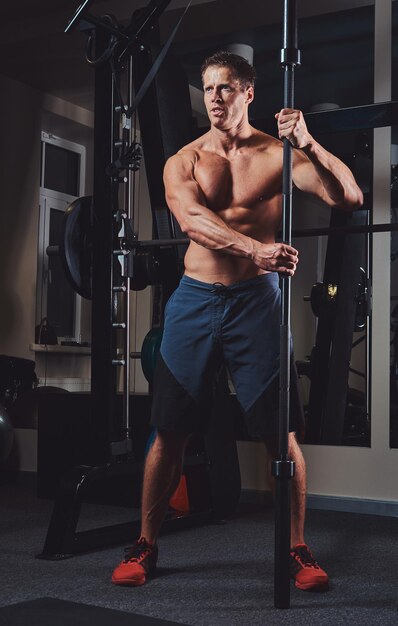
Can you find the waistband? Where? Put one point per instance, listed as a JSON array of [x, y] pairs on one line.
[[270, 279]]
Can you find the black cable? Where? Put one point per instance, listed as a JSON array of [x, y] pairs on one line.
[[115, 82], [107, 54]]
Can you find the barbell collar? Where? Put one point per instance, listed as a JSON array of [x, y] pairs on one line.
[[290, 57], [283, 469], [52, 250], [118, 362]]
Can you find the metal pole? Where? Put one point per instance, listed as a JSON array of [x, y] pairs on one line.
[[283, 468], [126, 348], [103, 375]]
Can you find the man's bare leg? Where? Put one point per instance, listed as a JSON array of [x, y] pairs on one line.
[[161, 477], [298, 485], [304, 569]]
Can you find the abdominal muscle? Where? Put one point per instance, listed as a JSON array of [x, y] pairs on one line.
[[215, 266]]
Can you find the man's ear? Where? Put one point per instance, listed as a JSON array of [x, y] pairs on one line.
[[249, 94]]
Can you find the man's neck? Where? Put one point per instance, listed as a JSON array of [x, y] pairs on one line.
[[231, 140]]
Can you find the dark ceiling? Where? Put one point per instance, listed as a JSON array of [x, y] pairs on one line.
[[337, 60], [337, 47]]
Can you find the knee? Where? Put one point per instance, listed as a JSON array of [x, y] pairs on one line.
[[271, 444], [170, 443]]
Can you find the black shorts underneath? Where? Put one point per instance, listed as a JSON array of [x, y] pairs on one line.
[[173, 409]]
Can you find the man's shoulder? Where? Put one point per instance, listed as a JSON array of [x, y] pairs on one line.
[[188, 155], [195, 147], [264, 142]]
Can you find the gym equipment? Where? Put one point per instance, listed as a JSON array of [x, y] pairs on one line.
[[106, 450], [17, 376], [6, 435], [151, 260], [76, 247], [324, 297], [340, 120], [283, 468], [338, 319], [149, 352]]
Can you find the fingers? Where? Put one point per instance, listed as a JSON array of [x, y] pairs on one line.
[[277, 257], [288, 259], [287, 272], [289, 249], [287, 113]]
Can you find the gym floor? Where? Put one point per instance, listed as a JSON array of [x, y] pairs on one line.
[[209, 575]]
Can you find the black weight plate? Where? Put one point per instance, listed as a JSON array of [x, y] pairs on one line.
[[149, 352], [75, 247]]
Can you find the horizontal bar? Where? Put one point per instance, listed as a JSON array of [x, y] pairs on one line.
[[305, 232], [345, 230], [343, 120], [157, 243]]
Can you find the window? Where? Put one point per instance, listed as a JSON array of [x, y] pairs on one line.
[[62, 181]]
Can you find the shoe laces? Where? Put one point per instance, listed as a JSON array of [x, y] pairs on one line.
[[137, 552], [304, 556]]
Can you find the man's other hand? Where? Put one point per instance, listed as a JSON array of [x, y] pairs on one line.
[[276, 257], [291, 125]]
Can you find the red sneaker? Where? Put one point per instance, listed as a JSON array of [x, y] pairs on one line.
[[138, 564], [306, 571]]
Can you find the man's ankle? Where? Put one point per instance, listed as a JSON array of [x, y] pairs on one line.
[[151, 541]]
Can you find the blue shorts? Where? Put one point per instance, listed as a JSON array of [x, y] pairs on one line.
[[209, 326]]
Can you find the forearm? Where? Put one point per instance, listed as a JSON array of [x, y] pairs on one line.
[[209, 230], [336, 177]]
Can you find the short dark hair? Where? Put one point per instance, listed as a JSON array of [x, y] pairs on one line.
[[241, 69]]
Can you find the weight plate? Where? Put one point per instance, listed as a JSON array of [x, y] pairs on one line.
[[149, 352], [76, 248]]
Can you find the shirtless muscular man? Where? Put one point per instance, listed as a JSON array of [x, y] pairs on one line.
[[225, 191]]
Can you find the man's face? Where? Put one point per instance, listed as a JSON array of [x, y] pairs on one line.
[[226, 102]]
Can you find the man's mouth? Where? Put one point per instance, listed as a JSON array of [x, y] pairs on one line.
[[217, 111]]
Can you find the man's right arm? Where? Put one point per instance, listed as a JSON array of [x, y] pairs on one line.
[[203, 226]]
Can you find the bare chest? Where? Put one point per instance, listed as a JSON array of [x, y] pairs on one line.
[[240, 182]]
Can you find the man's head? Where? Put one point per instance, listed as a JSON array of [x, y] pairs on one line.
[[228, 84], [240, 68]]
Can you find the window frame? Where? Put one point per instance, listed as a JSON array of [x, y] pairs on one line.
[[49, 198]]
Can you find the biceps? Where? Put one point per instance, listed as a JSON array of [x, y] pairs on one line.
[[306, 178]]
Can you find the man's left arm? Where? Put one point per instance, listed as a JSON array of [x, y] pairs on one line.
[[315, 170]]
